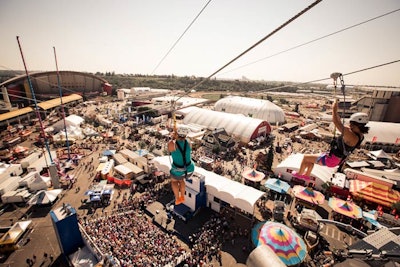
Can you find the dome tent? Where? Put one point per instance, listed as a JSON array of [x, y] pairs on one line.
[[244, 128], [251, 107]]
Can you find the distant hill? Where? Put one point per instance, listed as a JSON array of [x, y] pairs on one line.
[[185, 83], [188, 83]]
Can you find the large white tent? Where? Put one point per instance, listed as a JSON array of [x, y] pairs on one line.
[[72, 123], [71, 120], [292, 163], [239, 126], [234, 193], [383, 132], [252, 107]]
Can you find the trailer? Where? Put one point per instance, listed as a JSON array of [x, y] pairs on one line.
[[30, 159], [16, 196], [9, 184], [43, 162]]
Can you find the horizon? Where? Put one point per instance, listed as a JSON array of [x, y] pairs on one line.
[[357, 38]]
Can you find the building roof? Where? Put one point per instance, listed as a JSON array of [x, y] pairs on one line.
[[15, 113], [57, 101], [381, 240]]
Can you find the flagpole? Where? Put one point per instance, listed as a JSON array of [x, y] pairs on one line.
[[62, 105], [35, 101]]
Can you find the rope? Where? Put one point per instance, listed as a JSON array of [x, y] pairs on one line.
[[180, 37]]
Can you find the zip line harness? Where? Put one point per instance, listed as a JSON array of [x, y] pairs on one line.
[[186, 163]]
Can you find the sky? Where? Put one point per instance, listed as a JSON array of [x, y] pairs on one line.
[[132, 37]]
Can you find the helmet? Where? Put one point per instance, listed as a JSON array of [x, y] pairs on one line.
[[183, 131], [359, 117]]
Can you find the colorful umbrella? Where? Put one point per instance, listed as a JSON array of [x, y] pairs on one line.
[[277, 185], [308, 194], [253, 175], [346, 208], [285, 242]]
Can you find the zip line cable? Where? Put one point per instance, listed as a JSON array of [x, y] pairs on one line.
[[180, 37], [312, 41], [260, 41]]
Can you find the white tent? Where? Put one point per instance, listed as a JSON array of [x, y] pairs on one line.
[[379, 154], [236, 194], [252, 107], [71, 120], [242, 127], [292, 163], [44, 197], [38, 182]]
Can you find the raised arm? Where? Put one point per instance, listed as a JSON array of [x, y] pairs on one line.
[[336, 118]]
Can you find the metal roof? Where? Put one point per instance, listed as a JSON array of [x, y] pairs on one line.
[[15, 113], [57, 101]]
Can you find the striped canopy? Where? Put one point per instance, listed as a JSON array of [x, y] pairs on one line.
[[374, 192]]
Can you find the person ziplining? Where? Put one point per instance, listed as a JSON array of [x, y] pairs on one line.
[[341, 146], [182, 165]]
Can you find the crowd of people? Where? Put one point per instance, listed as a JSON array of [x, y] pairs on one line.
[[133, 240]]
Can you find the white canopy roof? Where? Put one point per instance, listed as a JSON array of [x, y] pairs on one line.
[[122, 169], [236, 194], [256, 108], [234, 124], [383, 132], [379, 154]]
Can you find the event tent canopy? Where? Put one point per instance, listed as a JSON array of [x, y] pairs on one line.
[[379, 154], [277, 185], [244, 128], [236, 194], [374, 192], [258, 108], [44, 197], [346, 208]]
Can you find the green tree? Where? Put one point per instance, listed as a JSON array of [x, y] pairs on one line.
[[270, 158], [142, 144], [216, 149]]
